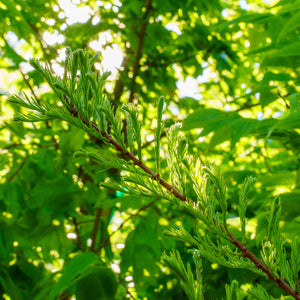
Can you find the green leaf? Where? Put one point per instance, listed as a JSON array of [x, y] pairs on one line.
[[4, 254], [288, 6], [278, 179], [292, 121], [271, 76], [249, 18], [203, 118], [9, 286], [294, 100], [289, 50], [290, 204], [72, 140], [13, 197], [267, 97], [99, 284], [77, 268], [240, 128], [144, 241], [290, 25], [55, 192]]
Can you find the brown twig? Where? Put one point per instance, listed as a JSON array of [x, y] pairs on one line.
[[258, 264], [126, 288], [105, 242], [139, 49], [284, 100], [29, 86], [44, 46], [7, 147], [95, 228], [18, 169], [119, 86], [247, 106], [77, 234]]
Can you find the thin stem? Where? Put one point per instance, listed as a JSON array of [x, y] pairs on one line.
[[18, 169], [266, 157], [105, 242], [139, 49], [78, 235], [44, 46], [126, 288], [95, 228], [29, 86], [119, 86], [284, 100], [247, 106], [12, 146]]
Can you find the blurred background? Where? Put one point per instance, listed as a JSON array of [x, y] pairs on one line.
[[229, 72]]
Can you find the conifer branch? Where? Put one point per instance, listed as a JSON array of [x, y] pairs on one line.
[[233, 240]]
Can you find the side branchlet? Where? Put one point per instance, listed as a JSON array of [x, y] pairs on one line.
[[193, 288]]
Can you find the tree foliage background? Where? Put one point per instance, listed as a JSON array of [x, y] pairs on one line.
[[229, 72]]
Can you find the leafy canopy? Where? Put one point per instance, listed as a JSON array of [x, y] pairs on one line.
[[156, 177]]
